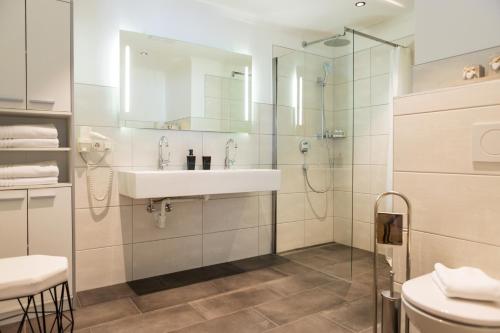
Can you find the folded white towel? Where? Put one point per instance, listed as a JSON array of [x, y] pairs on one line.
[[42, 169], [27, 181], [29, 143], [28, 131], [466, 282]]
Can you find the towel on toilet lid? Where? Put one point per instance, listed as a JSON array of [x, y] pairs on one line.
[[467, 283]]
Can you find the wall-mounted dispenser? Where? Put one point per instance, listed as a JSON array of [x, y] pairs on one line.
[[95, 145]]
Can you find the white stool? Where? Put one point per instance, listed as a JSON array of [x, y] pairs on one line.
[[29, 276]]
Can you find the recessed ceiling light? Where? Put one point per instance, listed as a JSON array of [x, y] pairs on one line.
[[360, 3]]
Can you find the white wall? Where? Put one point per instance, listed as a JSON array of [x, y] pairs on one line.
[[447, 28], [97, 24]]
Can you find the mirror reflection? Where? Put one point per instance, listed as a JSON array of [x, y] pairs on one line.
[[171, 84]]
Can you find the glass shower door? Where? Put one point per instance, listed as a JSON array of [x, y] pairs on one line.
[[314, 151]]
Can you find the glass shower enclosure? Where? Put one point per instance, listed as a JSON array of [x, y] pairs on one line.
[[333, 145]]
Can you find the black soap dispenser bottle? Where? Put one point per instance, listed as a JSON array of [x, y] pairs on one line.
[[191, 160]]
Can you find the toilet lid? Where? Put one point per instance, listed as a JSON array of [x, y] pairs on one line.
[[422, 293]]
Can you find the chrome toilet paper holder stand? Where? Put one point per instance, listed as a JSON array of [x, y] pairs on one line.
[[392, 234]]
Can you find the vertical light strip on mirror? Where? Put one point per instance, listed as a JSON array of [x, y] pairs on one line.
[[247, 93], [300, 103], [127, 79], [295, 98]]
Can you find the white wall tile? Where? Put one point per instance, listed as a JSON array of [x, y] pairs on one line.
[[265, 114], [381, 59], [318, 205], [107, 226], [247, 153], [288, 121], [362, 149], [362, 93], [292, 178], [362, 179], [342, 178], [230, 245], [185, 219], [342, 231], [103, 267], [120, 153], [265, 149], [379, 179], [96, 105], [265, 210], [229, 214], [318, 231], [288, 150], [265, 239], [166, 256], [361, 64], [342, 204], [290, 236], [145, 147], [99, 177], [380, 89], [362, 235], [381, 119], [362, 121], [363, 207], [290, 207], [379, 150]]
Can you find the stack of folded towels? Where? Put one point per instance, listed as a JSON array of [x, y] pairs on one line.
[[467, 283], [29, 136], [41, 173]]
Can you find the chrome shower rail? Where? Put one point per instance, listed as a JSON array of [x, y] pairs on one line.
[[408, 262], [356, 32]]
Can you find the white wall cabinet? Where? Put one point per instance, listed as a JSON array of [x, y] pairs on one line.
[[13, 223], [48, 42], [35, 48], [12, 51], [49, 222], [36, 221]]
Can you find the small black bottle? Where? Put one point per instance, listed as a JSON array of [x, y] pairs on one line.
[[191, 160]]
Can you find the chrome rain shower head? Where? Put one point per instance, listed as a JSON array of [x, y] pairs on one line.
[[337, 42]]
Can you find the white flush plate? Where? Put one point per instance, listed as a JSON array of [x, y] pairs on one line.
[[486, 142]]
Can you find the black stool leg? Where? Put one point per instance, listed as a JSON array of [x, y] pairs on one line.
[[66, 286]]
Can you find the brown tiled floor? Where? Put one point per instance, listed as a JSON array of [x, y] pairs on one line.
[[295, 292]]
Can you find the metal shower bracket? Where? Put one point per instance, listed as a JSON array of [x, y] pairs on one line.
[[408, 262]]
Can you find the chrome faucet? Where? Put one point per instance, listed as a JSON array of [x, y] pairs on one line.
[[228, 162], [162, 160]]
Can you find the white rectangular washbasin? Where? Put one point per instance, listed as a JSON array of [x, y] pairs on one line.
[[140, 184]]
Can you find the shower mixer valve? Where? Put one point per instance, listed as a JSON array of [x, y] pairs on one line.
[[304, 146]]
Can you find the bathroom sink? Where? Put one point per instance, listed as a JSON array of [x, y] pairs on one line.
[[140, 184]]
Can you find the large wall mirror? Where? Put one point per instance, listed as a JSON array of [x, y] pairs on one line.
[[171, 84]]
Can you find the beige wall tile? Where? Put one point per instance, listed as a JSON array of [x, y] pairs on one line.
[[230, 245], [318, 231], [292, 178], [185, 219], [318, 205], [472, 95], [265, 209], [103, 267], [290, 236], [229, 214], [342, 230], [102, 227], [290, 207], [442, 141], [462, 206], [166, 256], [362, 235], [363, 207]]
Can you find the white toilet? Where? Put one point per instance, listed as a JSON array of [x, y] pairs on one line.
[[430, 311]]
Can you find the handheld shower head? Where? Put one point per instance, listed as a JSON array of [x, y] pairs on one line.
[[327, 70]]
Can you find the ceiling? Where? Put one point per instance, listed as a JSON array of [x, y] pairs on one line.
[[313, 15]]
